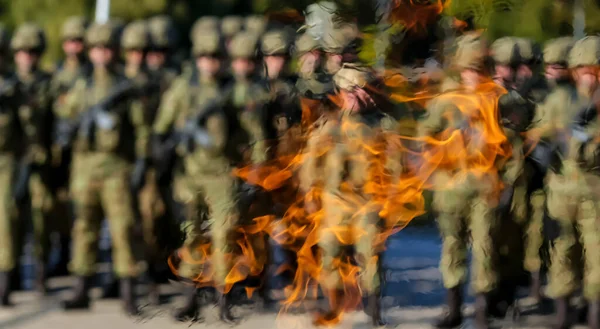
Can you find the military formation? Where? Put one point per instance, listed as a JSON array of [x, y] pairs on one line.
[[123, 131]]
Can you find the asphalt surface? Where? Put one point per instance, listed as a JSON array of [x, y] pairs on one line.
[[414, 298]]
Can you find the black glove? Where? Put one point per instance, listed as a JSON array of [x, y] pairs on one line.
[[138, 178]]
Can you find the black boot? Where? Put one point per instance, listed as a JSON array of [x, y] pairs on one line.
[[562, 313], [41, 279], [536, 287], [594, 315], [453, 317], [127, 289], [81, 299], [191, 309], [5, 289], [225, 306], [111, 289], [481, 306]]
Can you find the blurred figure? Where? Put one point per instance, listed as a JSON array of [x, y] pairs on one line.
[[74, 66], [189, 97], [465, 201], [347, 164], [28, 45], [503, 52], [104, 154], [11, 142], [556, 56], [256, 24], [341, 45], [159, 212], [572, 182]]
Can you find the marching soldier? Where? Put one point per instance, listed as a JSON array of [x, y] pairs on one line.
[[341, 46], [568, 121], [105, 125], [157, 207], [11, 143], [459, 193], [256, 24], [74, 66], [230, 27], [191, 96], [347, 165], [28, 44]]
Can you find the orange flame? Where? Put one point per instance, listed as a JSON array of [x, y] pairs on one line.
[[474, 144], [416, 15]]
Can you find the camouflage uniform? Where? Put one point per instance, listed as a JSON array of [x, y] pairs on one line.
[[63, 79], [465, 201], [102, 162], [347, 165], [11, 143], [572, 183], [36, 114]]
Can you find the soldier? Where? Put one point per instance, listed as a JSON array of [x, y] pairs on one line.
[[205, 24], [312, 85], [556, 55], [348, 162], [159, 213], [28, 44], [461, 194], [74, 65], [135, 41], [11, 144], [503, 52], [109, 134], [189, 96], [341, 46], [572, 195]]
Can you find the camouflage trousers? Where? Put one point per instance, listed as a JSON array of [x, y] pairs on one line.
[[49, 213], [574, 202], [525, 220], [97, 193], [343, 225], [465, 207], [152, 209], [212, 215], [10, 246]]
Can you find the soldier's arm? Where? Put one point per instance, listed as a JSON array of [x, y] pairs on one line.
[[168, 109], [513, 167], [308, 169], [393, 146]]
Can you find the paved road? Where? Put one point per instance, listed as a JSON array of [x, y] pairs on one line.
[[414, 297]]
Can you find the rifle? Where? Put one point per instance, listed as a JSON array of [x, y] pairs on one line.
[[95, 116]]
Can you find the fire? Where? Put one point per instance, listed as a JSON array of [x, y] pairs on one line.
[[416, 15]]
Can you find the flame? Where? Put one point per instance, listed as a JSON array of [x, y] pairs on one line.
[[415, 15], [474, 145]]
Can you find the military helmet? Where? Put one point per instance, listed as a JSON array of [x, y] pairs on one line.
[[585, 52], [556, 51], [135, 36], [470, 52], [256, 24], [528, 51], [351, 76], [209, 43], [305, 43], [231, 25], [504, 51], [275, 43], [162, 32], [74, 28], [102, 34], [243, 45], [204, 23], [29, 36]]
